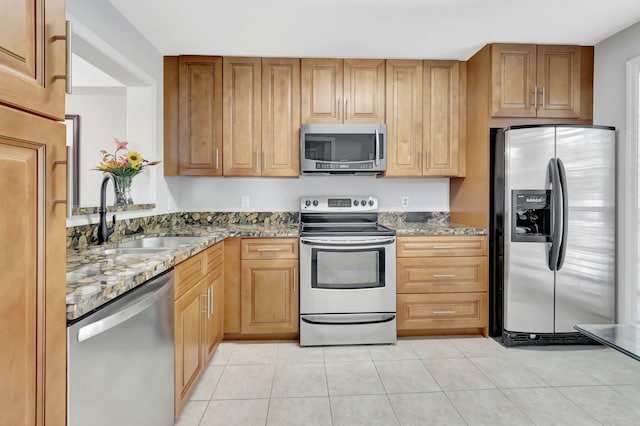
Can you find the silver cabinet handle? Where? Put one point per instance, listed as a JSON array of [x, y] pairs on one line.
[[444, 312], [257, 159], [543, 97], [375, 148], [295, 278], [269, 249], [210, 301], [264, 159], [217, 162], [443, 275], [535, 97], [443, 247], [206, 308], [346, 108], [338, 107], [426, 159], [67, 39]]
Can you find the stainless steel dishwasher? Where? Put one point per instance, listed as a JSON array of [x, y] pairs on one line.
[[120, 360]]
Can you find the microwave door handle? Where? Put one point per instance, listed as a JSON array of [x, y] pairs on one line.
[[375, 148]]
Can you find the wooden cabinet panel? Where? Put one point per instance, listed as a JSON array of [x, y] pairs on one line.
[[321, 90], [241, 117], [441, 134], [215, 256], [32, 260], [558, 73], [212, 312], [189, 272], [404, 117], [32, 55], [269, 296], [200, 115], [364, 94], [513, 80], [442, 245], [269, 248], [280, 117], [189, 354], [232, 302], [441, 275], [449, 310]]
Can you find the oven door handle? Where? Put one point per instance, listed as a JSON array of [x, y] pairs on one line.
[[347, 319], [348, 243]]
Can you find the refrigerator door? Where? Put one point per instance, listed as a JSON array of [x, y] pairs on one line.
[[528, 281], [585, 283]]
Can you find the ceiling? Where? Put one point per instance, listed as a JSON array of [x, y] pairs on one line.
[[429, 29]]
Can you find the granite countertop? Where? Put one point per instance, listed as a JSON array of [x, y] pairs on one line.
[[94, 278]]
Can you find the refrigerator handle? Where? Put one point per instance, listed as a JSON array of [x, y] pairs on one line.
[[555, 203], [565, 214]]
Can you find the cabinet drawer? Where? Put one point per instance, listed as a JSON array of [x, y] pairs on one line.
[[269, 248], [189, 273], [448, 245], [432, 311], [441, 274], [215, 256]]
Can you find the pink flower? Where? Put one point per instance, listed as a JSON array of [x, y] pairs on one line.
[[123, 161], [120, 144]]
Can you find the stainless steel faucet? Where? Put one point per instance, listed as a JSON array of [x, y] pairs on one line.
[[105, 231]]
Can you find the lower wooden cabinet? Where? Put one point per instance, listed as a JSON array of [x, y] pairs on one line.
[[261, 288], [198, 318], [442, 284]]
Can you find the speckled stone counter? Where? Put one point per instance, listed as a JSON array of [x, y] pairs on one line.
[[418, 228], [94, 278]]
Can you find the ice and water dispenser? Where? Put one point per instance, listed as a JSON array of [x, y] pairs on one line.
[[531, 215]]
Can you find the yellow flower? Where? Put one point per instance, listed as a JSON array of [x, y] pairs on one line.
[[134, 158]]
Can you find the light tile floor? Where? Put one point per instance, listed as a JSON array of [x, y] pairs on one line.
[[426, 381]]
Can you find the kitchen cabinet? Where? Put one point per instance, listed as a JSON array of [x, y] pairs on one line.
[[426, 118], [198, 317], [261, 288], [541, 81], [32, 233], [261, 117], [343, 90], [442, 284]]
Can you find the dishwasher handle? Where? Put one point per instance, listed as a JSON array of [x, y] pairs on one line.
[[134, 308]]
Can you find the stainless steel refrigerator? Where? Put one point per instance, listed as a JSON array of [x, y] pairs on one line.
[[552, 232]]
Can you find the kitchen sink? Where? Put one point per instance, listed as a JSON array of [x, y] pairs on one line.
[[134, 250], [160, 242]]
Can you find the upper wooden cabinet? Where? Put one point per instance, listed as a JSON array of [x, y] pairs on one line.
[[200, 115], [425, 118], [541, 81], [261, 116], [343, 91], [32, 56]]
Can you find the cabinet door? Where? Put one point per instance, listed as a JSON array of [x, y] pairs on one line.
[[212, 312], [322, 91], [32, 55], [200, 115], [189, 355], [280, 117], [241, 130], [558, 69], [269, 294], [404, 118], [513, 80], [441, 133], [364, 90], [32, 261]]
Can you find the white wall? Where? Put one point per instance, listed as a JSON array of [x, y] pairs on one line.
[[610, 108], [271, 194]]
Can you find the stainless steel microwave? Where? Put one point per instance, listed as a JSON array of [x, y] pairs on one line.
[[343, 149]]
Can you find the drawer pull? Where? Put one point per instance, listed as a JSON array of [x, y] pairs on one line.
[[269, 249], [443, 275], [444, 312], [443, 247]]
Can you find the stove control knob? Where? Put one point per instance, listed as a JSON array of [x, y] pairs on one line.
[[307, 203], [371, 203], [315, 203], [363, 203], [356, 202]]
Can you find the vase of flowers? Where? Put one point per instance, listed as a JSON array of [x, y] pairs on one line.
[[124, 164]]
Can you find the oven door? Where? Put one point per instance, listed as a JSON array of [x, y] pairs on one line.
[[347, 275]]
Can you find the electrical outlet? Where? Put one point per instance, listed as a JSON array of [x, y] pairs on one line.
[[245, 201], [405, 202]]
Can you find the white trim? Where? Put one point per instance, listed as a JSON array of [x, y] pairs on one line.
[[628, 212]]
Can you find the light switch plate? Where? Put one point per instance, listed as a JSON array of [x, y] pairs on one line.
[[245, 201]]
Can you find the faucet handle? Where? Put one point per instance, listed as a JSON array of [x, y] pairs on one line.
[[112, 228]]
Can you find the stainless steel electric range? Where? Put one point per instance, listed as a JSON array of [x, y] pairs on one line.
[[347, 273]]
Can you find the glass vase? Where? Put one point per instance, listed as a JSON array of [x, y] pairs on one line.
[[123, 191]]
